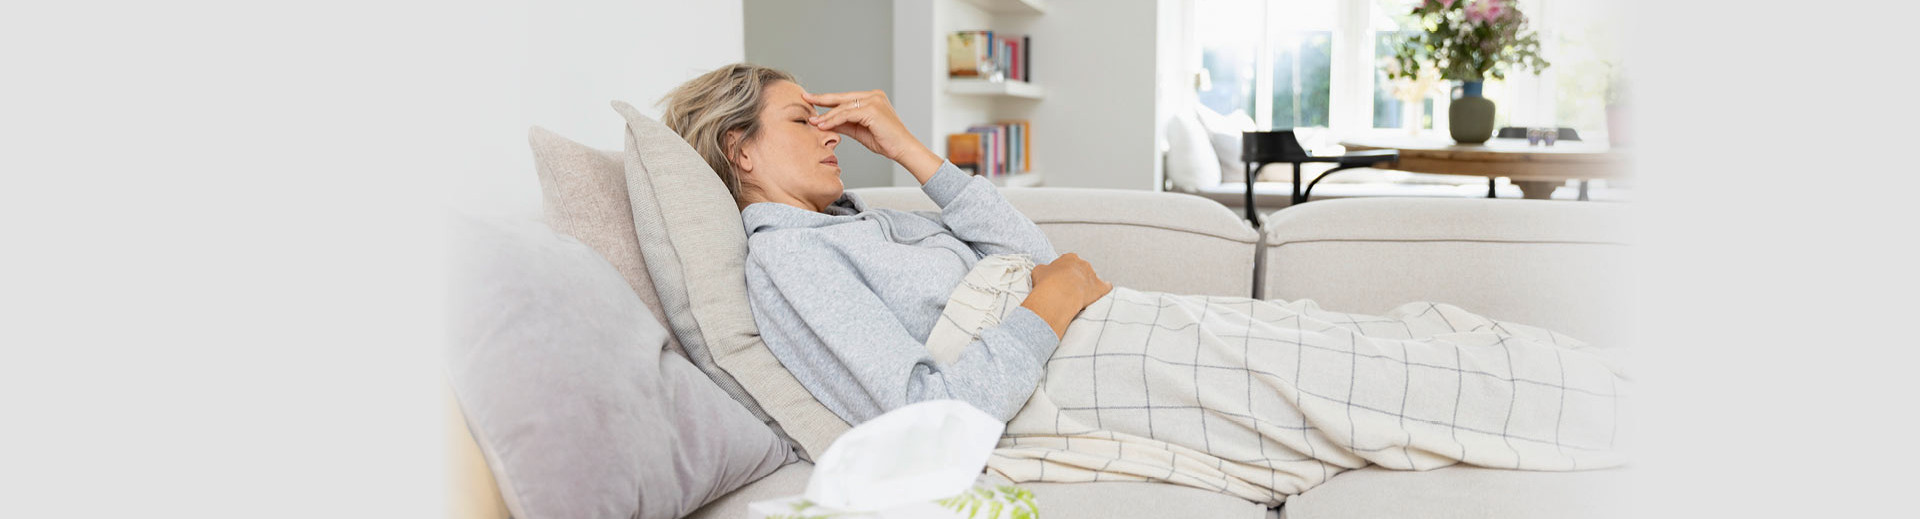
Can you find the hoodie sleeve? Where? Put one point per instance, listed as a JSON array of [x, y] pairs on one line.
[[980, 216], [849, 350]]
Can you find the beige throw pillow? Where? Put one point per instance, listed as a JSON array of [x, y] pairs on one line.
[[696, 248], [584, 191]]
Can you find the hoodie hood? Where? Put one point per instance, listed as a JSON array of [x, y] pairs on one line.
[[769, 216]]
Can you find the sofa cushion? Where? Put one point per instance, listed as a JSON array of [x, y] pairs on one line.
[[790, 480], [471, 490], [1134, 499], [570, 393], [1142, 240], [1117, 499], [1564, 266], [1463, 492], [696, 248], [584, 193]]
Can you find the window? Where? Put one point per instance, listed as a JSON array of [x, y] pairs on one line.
[[1579, 40], [1269, 59], [1288, 64], [1388, 18], [1231, 41], [1301, 79], [1300, 38]]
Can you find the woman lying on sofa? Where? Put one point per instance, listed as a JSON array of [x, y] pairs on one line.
[[847, 296], [830, 279]]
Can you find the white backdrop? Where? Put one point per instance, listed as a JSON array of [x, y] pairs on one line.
[[575, 55], [220, 263]]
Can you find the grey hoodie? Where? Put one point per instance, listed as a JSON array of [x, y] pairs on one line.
[[846, 299]]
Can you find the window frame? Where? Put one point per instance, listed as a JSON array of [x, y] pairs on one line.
[[1523, 97]]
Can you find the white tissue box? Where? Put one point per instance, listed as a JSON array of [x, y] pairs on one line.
[[921, 461]]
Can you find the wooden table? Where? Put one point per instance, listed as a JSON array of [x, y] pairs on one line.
[[1537, 169]]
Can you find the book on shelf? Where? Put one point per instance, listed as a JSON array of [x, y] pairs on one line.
[[967, 53], [1026, 57], [964, 151], [993, 150], [989, 55], [1010, 57], [1023, 144], [991, 145]]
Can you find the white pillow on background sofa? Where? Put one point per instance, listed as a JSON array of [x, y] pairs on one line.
[[1224, 132], [1191, 162]]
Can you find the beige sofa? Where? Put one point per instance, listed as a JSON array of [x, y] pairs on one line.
[[1555, 264]]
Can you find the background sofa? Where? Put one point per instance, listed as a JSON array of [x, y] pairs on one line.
[[1554, 264]]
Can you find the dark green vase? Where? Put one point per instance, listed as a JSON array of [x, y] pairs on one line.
[[1470, 118]]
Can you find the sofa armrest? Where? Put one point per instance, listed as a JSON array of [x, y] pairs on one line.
[[1561, 265], [1142, 240]]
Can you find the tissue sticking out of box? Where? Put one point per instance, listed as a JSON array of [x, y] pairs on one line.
[[915, 454]]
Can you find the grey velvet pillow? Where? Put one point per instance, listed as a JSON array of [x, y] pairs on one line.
[[578, 407]]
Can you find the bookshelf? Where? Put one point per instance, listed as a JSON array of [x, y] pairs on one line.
[[935, 105], [1105, 76], [981, 87], [1011, 6]]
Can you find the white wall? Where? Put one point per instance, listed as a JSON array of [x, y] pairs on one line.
[[915, 74], [1097, 60], [830, 46], [577, 56], [1174, 75]]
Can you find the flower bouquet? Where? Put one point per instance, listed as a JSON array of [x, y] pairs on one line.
[[1411, 89], [1468, 41]]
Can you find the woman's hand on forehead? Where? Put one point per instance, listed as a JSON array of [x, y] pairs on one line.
[[868, 117]]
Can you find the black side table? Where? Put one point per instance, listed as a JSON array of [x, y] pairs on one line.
[[1261, 148]]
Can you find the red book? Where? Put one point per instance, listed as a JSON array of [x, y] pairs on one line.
[[1013, 55]]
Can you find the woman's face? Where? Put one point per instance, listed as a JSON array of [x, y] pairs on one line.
[[790, 161]]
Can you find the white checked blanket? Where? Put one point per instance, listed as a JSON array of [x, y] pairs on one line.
[[1266, 399]]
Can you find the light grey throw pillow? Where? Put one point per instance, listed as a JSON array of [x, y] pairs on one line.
[[696, 251], [578, 408]]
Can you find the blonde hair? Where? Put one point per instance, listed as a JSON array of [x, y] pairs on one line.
[[705, 109]]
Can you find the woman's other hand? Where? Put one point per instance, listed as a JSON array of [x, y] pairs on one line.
[[868, 117], [1062, 289]]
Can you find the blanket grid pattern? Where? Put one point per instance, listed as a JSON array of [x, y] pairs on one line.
[[1266, 399]]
